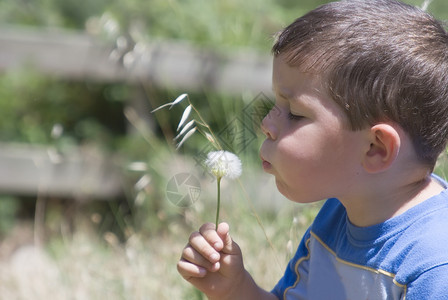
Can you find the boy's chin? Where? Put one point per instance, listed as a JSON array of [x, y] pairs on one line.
[[293, 196]]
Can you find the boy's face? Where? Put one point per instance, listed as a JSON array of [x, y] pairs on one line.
[[308, 147]]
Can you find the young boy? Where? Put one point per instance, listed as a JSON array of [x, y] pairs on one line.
[[361, 117]]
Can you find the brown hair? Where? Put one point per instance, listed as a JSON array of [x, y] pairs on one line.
[[382, 60]]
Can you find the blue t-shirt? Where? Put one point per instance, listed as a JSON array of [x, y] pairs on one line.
[[406, 257]]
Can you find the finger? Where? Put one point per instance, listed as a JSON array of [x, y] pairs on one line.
[[208, 231], [200, 244], [188, 270], [229, 246], [189, 254]]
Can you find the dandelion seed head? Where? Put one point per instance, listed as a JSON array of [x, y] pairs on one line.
[[224, 164]]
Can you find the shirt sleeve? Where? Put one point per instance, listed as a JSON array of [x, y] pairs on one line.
[[290, 276], [430, 285]]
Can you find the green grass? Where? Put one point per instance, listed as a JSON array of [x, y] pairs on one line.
[[90, 265]]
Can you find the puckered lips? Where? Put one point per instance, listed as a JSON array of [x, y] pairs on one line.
[[266, 165]]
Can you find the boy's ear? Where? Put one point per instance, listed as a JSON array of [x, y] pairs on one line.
[[384, 147]]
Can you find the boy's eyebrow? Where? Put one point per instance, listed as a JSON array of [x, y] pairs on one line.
[[282, 94]]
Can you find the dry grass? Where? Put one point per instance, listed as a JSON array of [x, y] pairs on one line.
[[86, 265]]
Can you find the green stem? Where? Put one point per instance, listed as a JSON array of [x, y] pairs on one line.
[[218, 180]]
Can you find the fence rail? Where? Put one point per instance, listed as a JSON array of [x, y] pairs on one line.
[[77, 55], [82, 174]]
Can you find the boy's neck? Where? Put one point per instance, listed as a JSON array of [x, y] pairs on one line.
[[389, 200]]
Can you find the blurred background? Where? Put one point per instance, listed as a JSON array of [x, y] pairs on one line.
[[95, 201]]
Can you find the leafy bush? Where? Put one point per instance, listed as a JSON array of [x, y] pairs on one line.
[[31, 104]]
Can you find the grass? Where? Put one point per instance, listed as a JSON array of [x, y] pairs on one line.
[[89, 265]]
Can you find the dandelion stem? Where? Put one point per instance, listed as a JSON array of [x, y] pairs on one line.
[[218, 180]]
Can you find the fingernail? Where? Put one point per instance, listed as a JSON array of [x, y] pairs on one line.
[[214, 256], [217, 245], [216, 267]]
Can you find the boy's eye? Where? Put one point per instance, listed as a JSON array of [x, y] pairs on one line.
[[294, 117]]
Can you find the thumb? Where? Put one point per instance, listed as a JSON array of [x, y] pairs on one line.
[[229, 247]]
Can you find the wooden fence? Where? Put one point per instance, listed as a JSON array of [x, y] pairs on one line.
[[31, 170], [77, 55]]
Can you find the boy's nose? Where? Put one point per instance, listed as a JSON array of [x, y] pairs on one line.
[[268, 127]]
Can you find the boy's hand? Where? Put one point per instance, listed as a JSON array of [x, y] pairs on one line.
[[213, 262]]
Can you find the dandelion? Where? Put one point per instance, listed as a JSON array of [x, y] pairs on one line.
[[223, 164], [220, 163]]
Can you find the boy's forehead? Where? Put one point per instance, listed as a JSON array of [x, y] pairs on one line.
[[304, 89], [288, 80]]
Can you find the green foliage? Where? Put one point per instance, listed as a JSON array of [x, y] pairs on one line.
[[31, 104], [232, 23], [8, 209], [52, 13], [438, 8], [40, 102]]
